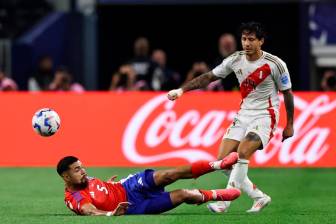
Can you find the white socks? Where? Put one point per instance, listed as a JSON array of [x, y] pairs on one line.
[[240, 170], [239, 173], [216, 165], [251, 190]]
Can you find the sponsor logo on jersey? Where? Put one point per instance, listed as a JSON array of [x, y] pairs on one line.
[[284, 79]]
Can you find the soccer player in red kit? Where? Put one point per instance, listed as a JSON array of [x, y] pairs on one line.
[[140, 193], [261, 76]]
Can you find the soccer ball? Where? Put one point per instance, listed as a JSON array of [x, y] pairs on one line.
[[46, 122]]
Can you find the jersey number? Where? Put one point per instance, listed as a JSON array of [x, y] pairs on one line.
[[102, 189]]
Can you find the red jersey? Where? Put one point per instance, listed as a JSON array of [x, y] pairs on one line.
[[104, 196]]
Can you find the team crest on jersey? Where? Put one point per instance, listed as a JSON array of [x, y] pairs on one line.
[[284, 79], [249, 83]]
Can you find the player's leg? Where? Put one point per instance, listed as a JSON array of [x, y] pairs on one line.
[[197, 196], [166, 177], [230, 145], [227, 146], [264, 128], [247, 187], [238, 177], [246, 148], [165, 201]]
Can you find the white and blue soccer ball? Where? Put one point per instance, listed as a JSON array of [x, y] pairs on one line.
[[46, 122]]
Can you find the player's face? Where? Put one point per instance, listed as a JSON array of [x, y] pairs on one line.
[[76, 174], [250, 43]]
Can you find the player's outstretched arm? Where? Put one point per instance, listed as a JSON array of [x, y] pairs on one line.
[[90, 209], [289, 104], [112, 179], [196, 83]]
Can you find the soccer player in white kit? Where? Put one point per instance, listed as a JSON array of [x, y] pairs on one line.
[[261, 75]]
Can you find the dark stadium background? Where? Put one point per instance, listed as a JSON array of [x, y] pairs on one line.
[[190, 32]]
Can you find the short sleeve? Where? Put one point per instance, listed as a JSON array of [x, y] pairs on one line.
[[225, 68], [76, 200], [281, 76]]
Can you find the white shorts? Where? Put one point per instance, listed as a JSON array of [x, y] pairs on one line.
[[261, 122]]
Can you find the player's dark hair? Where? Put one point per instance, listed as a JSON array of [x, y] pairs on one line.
[[64, 163], [253, 27]]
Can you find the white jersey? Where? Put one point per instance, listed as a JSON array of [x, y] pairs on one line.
[[259, 80]]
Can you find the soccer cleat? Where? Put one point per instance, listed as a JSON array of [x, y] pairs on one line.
[[229, 160], [219, 206], [260, 204]]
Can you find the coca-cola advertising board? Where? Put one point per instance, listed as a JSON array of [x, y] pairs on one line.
[[146, 129]]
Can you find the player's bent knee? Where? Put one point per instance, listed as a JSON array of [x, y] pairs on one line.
[[184, 194], [250, 144], [178, 196], [251, 136]]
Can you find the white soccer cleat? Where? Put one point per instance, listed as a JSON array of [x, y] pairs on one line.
[[260, 204], [219, 206]]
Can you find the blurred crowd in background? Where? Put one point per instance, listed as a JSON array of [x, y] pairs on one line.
[[147, 70]]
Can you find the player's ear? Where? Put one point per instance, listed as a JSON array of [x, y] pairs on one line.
[[262, 40], [65, 176]]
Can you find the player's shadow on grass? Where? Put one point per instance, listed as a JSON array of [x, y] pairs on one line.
[[202, 214], [52, 214], [163, 214]]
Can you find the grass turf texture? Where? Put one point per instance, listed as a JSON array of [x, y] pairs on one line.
[[35, 195]]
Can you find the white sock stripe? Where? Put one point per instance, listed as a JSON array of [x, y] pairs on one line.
[[215, 165], [243, 161], [214, 195]]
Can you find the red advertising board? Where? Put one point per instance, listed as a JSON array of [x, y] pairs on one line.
[[145, 129]]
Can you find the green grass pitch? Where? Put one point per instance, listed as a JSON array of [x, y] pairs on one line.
[[35, 195]]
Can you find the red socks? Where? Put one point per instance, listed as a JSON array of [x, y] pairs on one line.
[[207, 195], [199, 168], [220, 194]]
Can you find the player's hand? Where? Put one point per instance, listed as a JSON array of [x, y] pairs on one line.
[[121, 208], [174, 94], [287, 132], [112, 179]]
